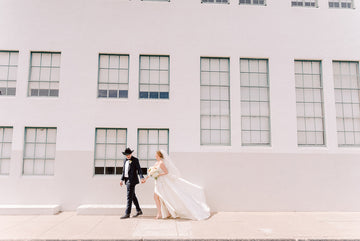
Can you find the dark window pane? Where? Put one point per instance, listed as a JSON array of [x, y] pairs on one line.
[[113, 93], [109, 170], [99, 170], [119, 170], [154, 95], [307, 4], [34, 92], [43, 92], [11, 91], [164, 95], [256, 1], [54, 92], [343, 5], [102, 93], [144, 94], [123, 93], [336, 5], [261, 2], [2, 91]]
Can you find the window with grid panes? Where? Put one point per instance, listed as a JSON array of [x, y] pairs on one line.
[[44, 74], [309, 103], [304, 3], [154, 77], [341, 4], [6, 134], [39, 153], [150, 141], [8, 72], [215, 1], [252, 2], [113, 81], [109, 145], [347, 101], [215, 101], [255, 102]]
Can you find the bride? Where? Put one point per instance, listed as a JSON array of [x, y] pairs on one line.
[[174, 196]]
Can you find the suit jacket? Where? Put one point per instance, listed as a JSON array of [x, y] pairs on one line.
[[134, 171]]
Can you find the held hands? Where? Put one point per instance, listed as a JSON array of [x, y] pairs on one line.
[[143, 180], [121, 183]]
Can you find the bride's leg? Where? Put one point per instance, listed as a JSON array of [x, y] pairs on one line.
[[158, 205]]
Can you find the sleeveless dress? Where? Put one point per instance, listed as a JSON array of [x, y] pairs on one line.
[[180, 198]]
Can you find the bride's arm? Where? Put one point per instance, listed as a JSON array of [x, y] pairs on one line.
[[163, 167]]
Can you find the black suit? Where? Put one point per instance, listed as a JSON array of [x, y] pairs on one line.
[[130, 181]]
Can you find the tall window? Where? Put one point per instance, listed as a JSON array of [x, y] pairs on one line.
[[309, 103], [252, 2], [150, 141], [341, 4], [109, 145], [347, 100], [215, 1], [304, 3], [8, 72], [215, 101], [6, 134], [39, 153], [255, 102], [154, 77], [113, 80], [44, 74]]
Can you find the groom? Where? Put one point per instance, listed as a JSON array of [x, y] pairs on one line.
[[129, 176]]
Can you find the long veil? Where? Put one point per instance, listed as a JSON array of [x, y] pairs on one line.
[[172, 169]]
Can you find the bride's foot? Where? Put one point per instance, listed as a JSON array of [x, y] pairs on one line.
[[158, 216]]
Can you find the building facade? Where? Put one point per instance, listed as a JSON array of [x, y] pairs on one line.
[[256, 101]]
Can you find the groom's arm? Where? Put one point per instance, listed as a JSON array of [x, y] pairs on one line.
[[139, 169], [122, 175]]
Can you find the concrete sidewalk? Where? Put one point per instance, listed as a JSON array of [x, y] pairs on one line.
[[220, 226]]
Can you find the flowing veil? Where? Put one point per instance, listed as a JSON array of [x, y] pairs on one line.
[[172, 169]]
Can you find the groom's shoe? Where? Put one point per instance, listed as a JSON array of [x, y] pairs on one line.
[[125, 216], [137, 214]]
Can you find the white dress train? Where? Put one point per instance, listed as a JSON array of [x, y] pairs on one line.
[[180, 198]]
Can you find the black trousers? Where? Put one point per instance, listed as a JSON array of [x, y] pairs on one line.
[[131, 197]]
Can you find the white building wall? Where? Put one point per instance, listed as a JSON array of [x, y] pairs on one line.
[[280, 177]]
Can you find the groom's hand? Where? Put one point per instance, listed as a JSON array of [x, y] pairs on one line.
[[143, 180], [121, 183]]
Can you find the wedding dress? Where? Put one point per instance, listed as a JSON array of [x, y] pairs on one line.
[[178, 197]]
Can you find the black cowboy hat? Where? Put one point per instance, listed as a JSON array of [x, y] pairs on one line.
[[127, 151]]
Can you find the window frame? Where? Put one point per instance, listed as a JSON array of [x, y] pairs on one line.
[[118, 83], [321, 88], [2, 142], [344, 131], [34, 157], [120, 160], [147, 160], [140, 84], [258, 101], [42, 81], [9, 65], [210, 143]]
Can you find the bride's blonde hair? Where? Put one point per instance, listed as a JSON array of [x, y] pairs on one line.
[[160, 154]]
